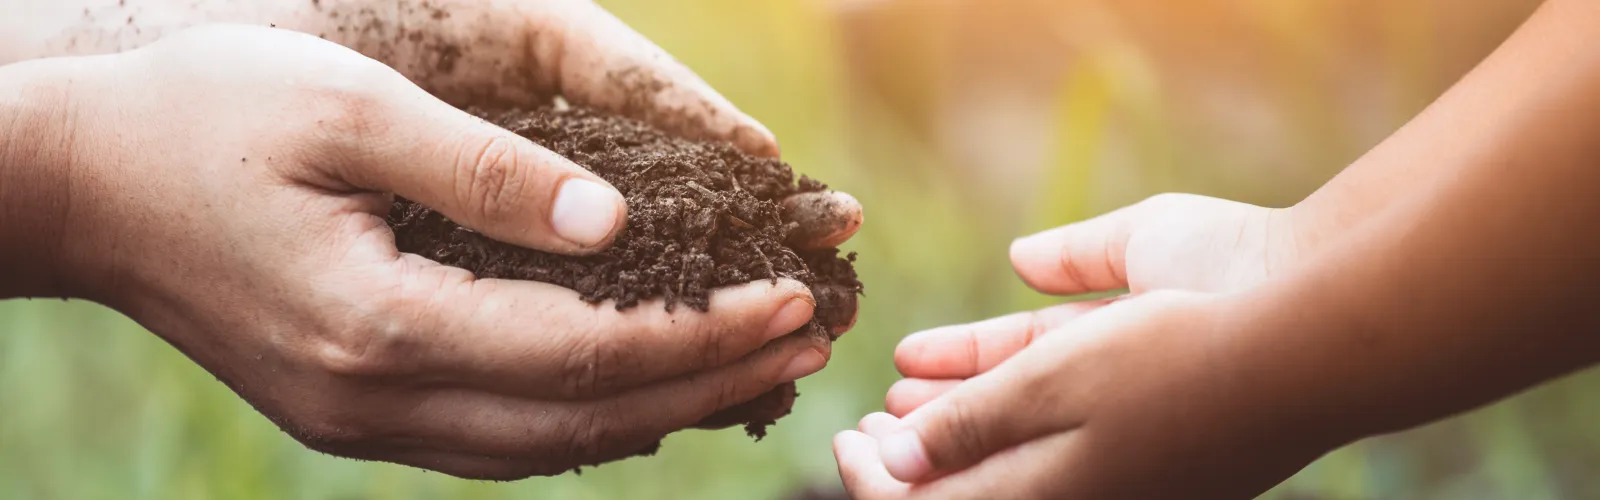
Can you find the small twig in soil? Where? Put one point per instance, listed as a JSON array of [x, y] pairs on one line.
[[740, 222], [771, 274], [646, 169], [702, 189]]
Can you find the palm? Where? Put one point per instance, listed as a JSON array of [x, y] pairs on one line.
[[1169, 241], [1196, 243]]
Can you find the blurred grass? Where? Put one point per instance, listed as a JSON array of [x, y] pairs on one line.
[[92, 406]]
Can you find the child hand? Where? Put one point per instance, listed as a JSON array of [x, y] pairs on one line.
[[963, 390], [1169, 241], [1135, 399], [1177, 241]]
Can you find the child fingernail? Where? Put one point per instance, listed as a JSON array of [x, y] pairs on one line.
[[1035, 248], [904, 456]]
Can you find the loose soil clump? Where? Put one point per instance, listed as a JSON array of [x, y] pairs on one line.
[[701, 216]]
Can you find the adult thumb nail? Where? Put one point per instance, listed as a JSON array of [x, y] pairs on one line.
[[585, 212]]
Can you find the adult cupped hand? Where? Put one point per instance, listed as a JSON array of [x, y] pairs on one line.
[[229, 188]]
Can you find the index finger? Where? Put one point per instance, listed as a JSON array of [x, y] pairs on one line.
[[965, 351], [607, 65]]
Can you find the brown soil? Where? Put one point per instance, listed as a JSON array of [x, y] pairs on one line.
[[700, 216]]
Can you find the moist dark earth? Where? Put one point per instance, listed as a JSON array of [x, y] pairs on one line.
[[701, 216]]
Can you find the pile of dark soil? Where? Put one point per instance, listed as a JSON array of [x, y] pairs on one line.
[[700, 216]]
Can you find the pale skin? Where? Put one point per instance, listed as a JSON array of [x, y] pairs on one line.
[[225, 186], [1450, 267]]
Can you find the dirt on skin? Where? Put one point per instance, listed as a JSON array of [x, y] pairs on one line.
[[701, 216]]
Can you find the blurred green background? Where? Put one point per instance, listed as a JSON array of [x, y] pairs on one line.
[[960, 124]]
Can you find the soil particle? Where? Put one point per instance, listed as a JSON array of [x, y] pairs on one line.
[[701, 216]]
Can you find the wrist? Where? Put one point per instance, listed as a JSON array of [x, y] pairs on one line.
[[39, 171], [1283, 389]]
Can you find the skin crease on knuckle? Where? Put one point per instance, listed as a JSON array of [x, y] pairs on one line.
[[490, 179], [581, 368]]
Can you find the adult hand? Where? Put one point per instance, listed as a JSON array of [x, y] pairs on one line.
[[229, 186], [466, 52], [1135, 399]]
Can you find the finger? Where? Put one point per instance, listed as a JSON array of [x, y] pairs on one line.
[[404, 141], [768, 406], [987, 414], [1083, 257], [909, 394], [460, 465], [878, 424], [1032, 470], [541, 340], [585, 432], [825, 219], [606, 64], [862, 471], [964, 351], [837, 306]]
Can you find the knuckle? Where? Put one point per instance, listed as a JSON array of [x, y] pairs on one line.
[[589, 433], [366, 344], [357, 354], [346, 105], [975, 352], [727, 393], [583, 374], [713, 343], [1037, 323], [962, 437], [489, 178], [604, 433]]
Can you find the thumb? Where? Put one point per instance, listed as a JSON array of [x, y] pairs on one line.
[[1082, 257], [980, 417], [482, 176], [604, 63]]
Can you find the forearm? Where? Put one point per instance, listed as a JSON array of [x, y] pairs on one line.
[[1398, 169], [36, 163], [461, 50], [1480, 283]]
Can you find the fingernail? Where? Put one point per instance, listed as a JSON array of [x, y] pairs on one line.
[[585, 212], [791, 317], [1037, 248], [803, 364], [904, 456]]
